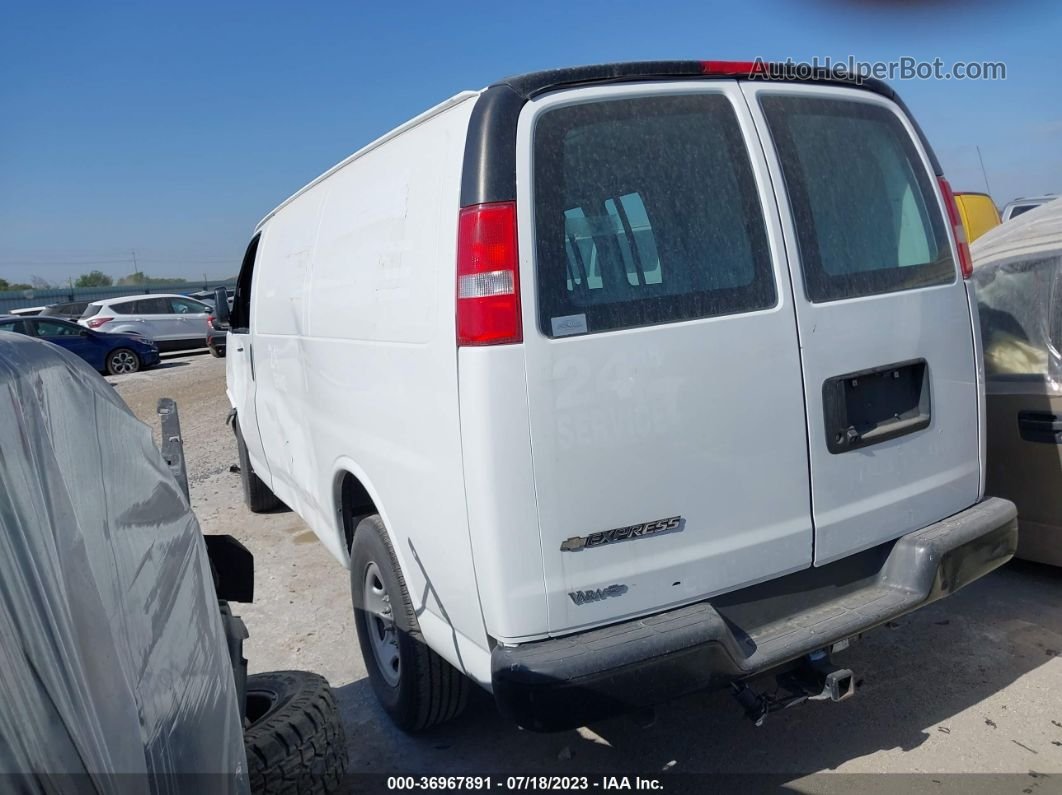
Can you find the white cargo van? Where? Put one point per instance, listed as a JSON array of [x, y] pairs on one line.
[[618, 382]]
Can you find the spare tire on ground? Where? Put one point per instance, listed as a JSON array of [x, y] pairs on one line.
[[294, 737]]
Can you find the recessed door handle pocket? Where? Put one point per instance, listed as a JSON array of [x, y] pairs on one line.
[[872, 406], [1040, 426]]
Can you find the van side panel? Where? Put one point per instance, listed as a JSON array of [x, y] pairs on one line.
[[278, 315], [362, 358]]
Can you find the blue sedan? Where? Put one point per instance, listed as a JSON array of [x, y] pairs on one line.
[[116, 354]]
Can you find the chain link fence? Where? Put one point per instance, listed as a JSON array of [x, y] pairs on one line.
[[25, 299]]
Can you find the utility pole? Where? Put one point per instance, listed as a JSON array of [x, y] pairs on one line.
[[984, 173]]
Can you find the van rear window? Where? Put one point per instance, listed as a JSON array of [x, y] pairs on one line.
[[864, 205], [646, 212]]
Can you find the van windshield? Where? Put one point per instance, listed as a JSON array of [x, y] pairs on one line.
[[646, 212], [864, 206]]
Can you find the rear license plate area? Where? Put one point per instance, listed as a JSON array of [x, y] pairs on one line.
[[872, 406]]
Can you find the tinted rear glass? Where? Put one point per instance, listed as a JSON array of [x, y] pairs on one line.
[[150, 306], [646, 212], [91, 309], [864, 206], [1022, 208]]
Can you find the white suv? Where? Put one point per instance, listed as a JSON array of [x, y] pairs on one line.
[[1022, 206], [172, 322], [617, 382]]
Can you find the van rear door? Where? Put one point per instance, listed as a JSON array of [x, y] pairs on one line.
[[886, 338], [663, 373]]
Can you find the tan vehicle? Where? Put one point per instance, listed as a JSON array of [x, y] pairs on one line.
[[1018, 272], [978, 214]]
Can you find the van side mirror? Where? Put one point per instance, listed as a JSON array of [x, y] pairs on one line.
[[221, 305]]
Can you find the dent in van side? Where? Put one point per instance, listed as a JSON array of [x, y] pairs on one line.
[[467, 654]]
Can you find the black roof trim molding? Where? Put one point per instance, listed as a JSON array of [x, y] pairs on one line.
[[489, 173]]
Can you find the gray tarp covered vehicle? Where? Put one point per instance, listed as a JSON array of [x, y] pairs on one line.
[[112, 654], [1018, 273]]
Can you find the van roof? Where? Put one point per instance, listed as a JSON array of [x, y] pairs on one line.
[[531, 84], [445, 105], [498, 107]]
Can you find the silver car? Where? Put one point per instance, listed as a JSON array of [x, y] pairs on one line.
[[172, 322]]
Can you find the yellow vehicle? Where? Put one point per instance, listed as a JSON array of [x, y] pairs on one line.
[[978, 213]]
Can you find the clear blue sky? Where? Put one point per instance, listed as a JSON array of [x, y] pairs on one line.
[[172, 128]]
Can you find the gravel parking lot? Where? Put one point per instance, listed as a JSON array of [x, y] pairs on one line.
[[971, 684]]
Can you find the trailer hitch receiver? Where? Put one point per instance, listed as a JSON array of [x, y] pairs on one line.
[[815, 678]]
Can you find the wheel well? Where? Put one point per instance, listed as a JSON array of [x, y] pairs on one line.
[[355, 503]]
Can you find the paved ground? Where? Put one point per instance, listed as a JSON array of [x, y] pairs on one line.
[[972, 684]]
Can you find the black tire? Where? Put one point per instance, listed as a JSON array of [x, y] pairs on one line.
[[217, 352], [122, 361], [256, 494], [295, 740], [429, 690]]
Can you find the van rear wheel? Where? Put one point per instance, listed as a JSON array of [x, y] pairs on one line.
[[415, 686], [256, 494]]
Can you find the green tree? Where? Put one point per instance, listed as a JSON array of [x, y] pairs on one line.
[[141, 278], [5, 285], [94, 279]]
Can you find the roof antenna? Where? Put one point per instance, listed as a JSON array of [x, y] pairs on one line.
[[984, 173]]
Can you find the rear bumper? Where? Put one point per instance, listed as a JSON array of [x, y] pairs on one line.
[[565, 682]]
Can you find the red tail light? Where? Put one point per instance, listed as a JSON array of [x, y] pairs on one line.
[[957, 229], [211, 323], [96, 322], [488, 276]]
